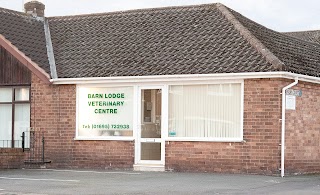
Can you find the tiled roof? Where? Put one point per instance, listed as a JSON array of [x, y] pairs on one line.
[[201, 39], [298, 56], [27, 34], [312, 36], [165, 41]]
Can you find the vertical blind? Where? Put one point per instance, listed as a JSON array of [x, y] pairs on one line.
[[205, 111]]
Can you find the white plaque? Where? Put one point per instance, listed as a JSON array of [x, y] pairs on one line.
[[290, 102]]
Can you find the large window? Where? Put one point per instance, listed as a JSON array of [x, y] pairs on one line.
[[197, 112], [14, 115], [211, 111]]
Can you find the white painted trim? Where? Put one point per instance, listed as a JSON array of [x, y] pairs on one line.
[[203, 139], [139, 121], [242, 110], [283, 123], [165, 79], [145, 85], [164, 120], [107, 138], [77, 112], [135, 122]]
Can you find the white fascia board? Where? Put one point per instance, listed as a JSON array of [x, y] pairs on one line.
[[181, 78]]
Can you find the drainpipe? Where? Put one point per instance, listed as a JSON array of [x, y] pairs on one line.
[[283, 125]]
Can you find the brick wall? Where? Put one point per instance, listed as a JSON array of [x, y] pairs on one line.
[[303, 132], [11, 158], [53, 111], [260, 153]]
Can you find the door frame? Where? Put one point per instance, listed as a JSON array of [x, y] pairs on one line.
[[164, 124]]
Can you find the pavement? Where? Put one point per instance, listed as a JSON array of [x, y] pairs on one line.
[[53, 181]]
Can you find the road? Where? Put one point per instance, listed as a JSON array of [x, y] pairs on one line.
[[51, 181]]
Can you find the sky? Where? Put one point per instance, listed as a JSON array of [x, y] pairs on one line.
[[279, 15]]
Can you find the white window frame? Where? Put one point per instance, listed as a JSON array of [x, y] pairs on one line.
[[212, 139]]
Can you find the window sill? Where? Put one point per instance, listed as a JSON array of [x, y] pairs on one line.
[[103, 138], [190, 139]]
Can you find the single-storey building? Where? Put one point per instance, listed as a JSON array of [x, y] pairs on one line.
[[190, 88]]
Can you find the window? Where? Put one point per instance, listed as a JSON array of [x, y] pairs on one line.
[[206, 112], [14, 115], [104, 112]]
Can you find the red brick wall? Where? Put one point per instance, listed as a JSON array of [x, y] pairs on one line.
[[303, 132], [260, 153], [11, 158], [53, 111]]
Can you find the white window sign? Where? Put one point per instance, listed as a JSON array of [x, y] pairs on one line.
[[290, 102], [104, 111]]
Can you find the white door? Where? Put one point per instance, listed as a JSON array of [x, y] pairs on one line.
[[150, 145]]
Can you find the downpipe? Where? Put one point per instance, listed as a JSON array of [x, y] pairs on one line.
[[283, 122]]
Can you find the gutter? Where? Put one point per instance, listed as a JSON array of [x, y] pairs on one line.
[[182, 78], [283, 122]]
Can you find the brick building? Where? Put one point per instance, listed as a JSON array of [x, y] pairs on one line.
[[193, 88]]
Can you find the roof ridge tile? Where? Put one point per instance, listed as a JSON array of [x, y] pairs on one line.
[[277, 64], [311, 36], [18, 13], [134, 11], [301, 31]]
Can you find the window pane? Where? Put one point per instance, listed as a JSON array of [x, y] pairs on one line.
[[5, 94], [151, 113], [5, 125], [22, 94], [205, 111], [105, 111], [150, 151], [21, 122]]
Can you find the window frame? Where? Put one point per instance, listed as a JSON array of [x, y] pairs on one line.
[[211, 139], [13, 102]]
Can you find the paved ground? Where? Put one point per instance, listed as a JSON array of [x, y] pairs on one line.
[[46, 181]]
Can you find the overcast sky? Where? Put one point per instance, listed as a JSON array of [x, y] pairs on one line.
[[280, 15]]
